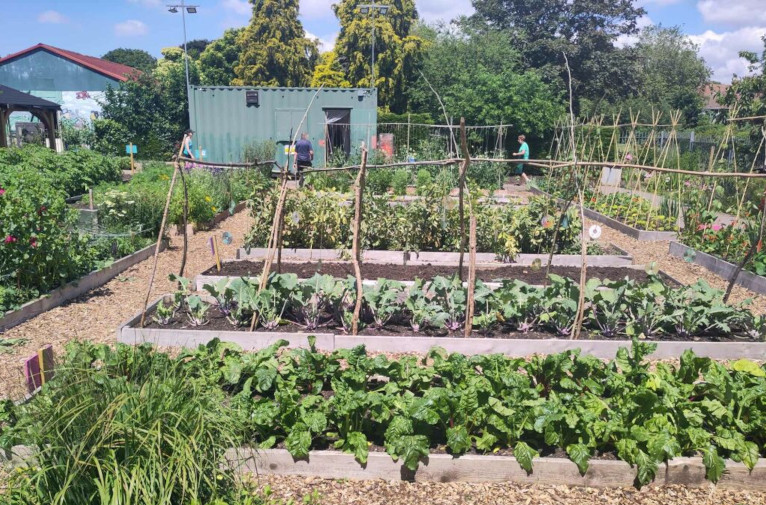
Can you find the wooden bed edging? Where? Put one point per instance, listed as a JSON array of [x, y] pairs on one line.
[[75, 288], [129, 333], [440, 258], [477, 468], [724, 269], [640, 235], [468, 468]]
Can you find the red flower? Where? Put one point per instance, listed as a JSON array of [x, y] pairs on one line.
[[2, 191], [33, 241], [10, 239], [41, 210]]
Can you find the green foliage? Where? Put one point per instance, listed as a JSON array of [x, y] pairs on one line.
[[217, 61], [400, 179], [397, 49], [194, 48], [479, 75], [275, 50], [314, 219], [329, 72], [585, 30], [219, 396], [72, 172], [136, 58], [140, 428]]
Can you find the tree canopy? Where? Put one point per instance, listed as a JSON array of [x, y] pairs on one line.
[[136, 58], [586, 30], [195, 47], [479, 75], [397, 50], [276, 51], [216, 63], [329, 72]]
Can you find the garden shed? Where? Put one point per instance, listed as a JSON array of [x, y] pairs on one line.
[[13, 100], [227, 119]]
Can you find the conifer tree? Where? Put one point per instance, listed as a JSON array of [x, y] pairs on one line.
[[397, 50], [329, 72], [275, 50]]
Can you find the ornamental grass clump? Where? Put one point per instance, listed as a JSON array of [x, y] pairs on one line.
[[127, 426]]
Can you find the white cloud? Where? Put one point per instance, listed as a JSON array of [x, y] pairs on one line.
[[326, 43], [130, 28], [629, 40], [643, 3], [720, 50], [52, 17], [317, 9], [433, 10], [148, 3], [737, 13], [239, 7]]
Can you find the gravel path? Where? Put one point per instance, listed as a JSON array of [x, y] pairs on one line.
[[380, 492], [684, 272], [96, 315]]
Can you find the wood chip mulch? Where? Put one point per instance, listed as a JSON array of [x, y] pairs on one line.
[[96, 315], [379, 492], [686, 273]]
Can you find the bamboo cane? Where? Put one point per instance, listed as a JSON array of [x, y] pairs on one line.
[[471, 277]]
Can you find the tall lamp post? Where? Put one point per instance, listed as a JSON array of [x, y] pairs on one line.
[[184, 8], [372, 9]]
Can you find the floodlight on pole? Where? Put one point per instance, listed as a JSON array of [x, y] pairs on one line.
[[184, 8], [372, 9]]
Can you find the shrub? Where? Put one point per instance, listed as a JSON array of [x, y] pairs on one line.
[[400, 180]]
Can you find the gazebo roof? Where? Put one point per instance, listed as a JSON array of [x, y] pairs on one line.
[[10, 97]]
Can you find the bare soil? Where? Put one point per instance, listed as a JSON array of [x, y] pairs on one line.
[[530, 275]]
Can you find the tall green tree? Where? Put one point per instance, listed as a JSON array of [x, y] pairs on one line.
[[195, 47], [586, 30], [671, 72], [275, 49], [329, 73], [150, 110], [216, 63], [749, 94], [136, 58], [397, 49], [479, 75]]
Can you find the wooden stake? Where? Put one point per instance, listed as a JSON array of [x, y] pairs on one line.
[[90, 198], [461, 189], [217, 253], [471, 277], [132, 166], [356, 246], [159, 239]]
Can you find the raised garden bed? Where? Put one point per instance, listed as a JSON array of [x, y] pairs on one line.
[[477, 468], [443, 258], [75, 288], [516, 344], [640, 235], [748, 280], [398, 272]]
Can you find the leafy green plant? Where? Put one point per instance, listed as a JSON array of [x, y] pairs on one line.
[[400, 180]]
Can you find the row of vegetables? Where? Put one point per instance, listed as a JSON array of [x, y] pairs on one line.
[[303, 400], [613, 309]]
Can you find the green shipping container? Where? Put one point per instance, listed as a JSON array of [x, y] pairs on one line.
[[227, 119]]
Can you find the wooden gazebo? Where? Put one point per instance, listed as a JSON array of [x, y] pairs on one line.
[[13, 100]]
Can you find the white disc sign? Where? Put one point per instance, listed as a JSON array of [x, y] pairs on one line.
[[594, 231]]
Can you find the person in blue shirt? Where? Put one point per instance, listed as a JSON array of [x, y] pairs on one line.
[[188, 145], [304, 155], [524, 153]]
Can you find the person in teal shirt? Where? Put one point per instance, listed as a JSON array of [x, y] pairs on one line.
[[524, 153]]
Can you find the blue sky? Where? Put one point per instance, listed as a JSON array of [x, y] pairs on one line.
[[720, 27]]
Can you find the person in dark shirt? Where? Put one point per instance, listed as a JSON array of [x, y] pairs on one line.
[[304, 155]]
